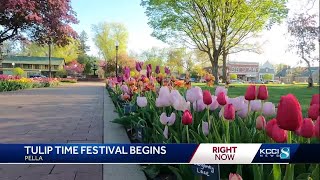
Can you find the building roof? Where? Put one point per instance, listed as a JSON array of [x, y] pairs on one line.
[[32, 60], [242, 62], [305, 73], [270, 71], [282, 73], [267, 64]]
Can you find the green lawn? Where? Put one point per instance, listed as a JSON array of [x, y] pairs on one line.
[[301, 91]]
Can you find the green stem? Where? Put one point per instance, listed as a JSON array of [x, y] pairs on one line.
[[227, 132], [187, 134], [248, 109], [209, 121]]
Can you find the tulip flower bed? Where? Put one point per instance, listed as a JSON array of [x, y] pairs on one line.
[[160, 109], [13, 83]]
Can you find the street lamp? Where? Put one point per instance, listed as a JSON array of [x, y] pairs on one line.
[[117, 48], [40, 71], [13, 64]]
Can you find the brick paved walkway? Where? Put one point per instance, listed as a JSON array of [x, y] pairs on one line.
[[67, 114]]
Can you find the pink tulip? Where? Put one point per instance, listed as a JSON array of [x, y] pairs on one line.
[[234, 177], [236, 102], [199, 105], [243, 112], [214, 105], [178, 101], [142, 101], [268, 109], [166, 132], [279, 135], [205, 128], [260, 122], [194, 94], [124, 89], [255, 105], [221, 89], [167, 120], [162, 100]]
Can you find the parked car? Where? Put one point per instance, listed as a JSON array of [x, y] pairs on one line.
[[37, 76], [257, 82], [236, 81], [193, 79]]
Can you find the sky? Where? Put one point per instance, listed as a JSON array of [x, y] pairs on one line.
[[131, 14]]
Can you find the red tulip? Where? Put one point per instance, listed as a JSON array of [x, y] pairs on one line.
[[207, 99], [307, 128], [250, 93], [269, 126], [289, 115], [315, 99], [263, 92], [186, 117], [229, 112], [260, 122], [222, 99], [317, 128], [314, 111], [279, 135]]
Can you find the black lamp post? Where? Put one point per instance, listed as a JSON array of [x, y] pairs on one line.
[[117, 48], [49, 59]]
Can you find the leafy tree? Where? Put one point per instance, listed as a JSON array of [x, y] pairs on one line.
[[105, 37], [267, 77], [68, 52], [154, 56], [175, 60], [74, 67], [18, 71], [83, 47], [62, 73], [43, 21], [211, 26], [305, 32], [233, 76]]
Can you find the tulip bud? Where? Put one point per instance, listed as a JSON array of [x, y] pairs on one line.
[[279, 135], [205, 128], [289, 115], [142, 101], [229, 112], [234, 177], [222, 99], [315, 99], [314, 111], [157, 69], [207, 99], [250, 93], [260, 122], [307, 128], [263, 92], [268, 109], [186, 117], [269, 126]]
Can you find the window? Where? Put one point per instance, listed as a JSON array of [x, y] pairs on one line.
[[267, 69], [46, 67], [55, 67], [37, 66], [6, 65], [27, 66]]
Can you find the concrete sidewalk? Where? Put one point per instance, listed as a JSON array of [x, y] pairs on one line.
[[115, 133]]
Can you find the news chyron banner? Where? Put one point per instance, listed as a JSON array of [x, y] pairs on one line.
[[159, 153]]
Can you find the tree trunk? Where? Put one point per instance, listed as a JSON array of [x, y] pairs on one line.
[[224, 69], [310, 80]]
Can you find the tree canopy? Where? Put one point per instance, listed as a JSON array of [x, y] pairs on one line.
[[40, 21], [211, 26], [105, 37]]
